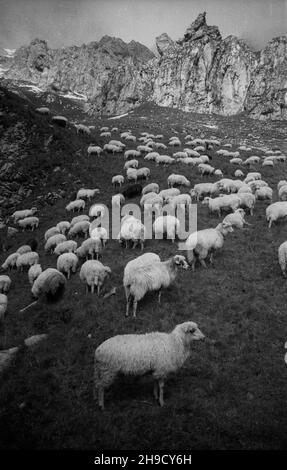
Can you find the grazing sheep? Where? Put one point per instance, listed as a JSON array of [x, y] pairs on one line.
[[276, 211], [50, 284], [118, 179], [205, 169], [105, 134], [91, 246], [51, 232], [282, 193], [67, 246], [43, 110], [132, 174], [171, 192], [99, 232], [226, 202], [152, 277], [87, 193], [79, 229], [132, 191], [247, 201], [93, 273], [28, 223], [150, 188], [23, 214], [255, 175], [82, 129], [97, 210], [5, 284], [281, 183], [204, 189], [66, 263], [143, 149], [206, 241], [147, 196], [138, 354], [23, 249], [227, 185], [10, 261], [134, 264], [113, 148], [238, 174], [33, 272], [79, 218], [191, 153], [78, 204], [164, 159], [132, 230], [236, 219], [180, 199], [94, 149], [166, 224], [53, 241], [282, 257], [179, 180], [264, 193], [160, 146], [63, 226], [3, 306], [131, 154], [27, 259], [151, 156], [131, 164]]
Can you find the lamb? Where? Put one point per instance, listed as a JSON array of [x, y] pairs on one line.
[[78, 204], [23, 249], [152, 277], [276, 211], [63, 226], [113, 148], [131, 164], [117, 200], [118, 179], [227, 185], [99, 232], [67, 246], [236, 219], [29, 223], [94, 273], [10, 261], [264, 193], [131, 154], [166, 224], [134, 264], [51, 232], [79, 229], [27, 259], [206, 241], [91, 246], [236, 161], [95, 149], [79, 218], [150, 188], [151, 156], [87, 193], [3, 306], [33, 272], [97, 210], [178, 180], [50, 284], [53, 241], [282, 257], [5, 284], [138, 354], [66, 263], [23, 214]]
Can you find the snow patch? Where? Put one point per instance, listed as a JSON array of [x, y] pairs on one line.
[[10, 52]]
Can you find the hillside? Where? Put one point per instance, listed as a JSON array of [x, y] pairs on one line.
[[231, 393]]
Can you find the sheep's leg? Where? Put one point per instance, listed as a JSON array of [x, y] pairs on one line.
[[135, 308], [202, 262], [128, 305], [159, 296], [155, 389], [87, 289], [92, 288], [69, 274], [101, 395], [160, 386], [99, 288]]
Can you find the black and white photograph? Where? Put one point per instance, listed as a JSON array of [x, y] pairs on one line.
[[143, 228]]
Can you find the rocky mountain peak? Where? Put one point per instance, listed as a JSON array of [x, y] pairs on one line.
[[163, 43], [199, 29]]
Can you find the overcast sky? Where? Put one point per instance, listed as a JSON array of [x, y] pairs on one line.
[[68, 22]]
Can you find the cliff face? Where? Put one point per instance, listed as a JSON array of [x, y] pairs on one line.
[[200, 72]]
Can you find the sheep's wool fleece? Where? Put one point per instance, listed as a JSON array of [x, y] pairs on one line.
[[151, 277]]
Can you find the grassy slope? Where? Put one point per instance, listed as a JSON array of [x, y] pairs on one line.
[[232, 392]]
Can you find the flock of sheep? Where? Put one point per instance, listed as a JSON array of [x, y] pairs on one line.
[[230, 198]]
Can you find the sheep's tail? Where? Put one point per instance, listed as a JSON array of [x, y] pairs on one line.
[[54, 287]]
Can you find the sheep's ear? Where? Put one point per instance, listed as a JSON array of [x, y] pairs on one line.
[[108, 270]]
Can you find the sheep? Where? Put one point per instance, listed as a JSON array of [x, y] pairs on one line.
[[50, 284], [143, 149], [282, 193], [79, 218], [227, 202], [160, 146], [206, 241], [180, 199], [23, 249], [118, 179], [99, 232], [87, 193], [205, 169], [66, 263], [251, 160], [137, 354], [245, 188], [118, 144], [236, 219], [97, 210], [267, 162], [95, 149], [151, 156], [282, 257], [238, 174], [132, 174], [205, 159], [51, 232], [178, 180], [10, 261], [143, 173], [227, 185], [79, 229], [247, 201], [179, 155], [3, 306], [134, 264], [131, 164], [27, 259], [43, 110], [150, 188], [191, 153], [112, 148], [91, 246], [104, 129], [152, 277], [132, 229], [252, 176], [132, 191], [153, 202], [33, 272], [63, 226], [281, 183], [264, 193], [164, 159], [82, 129], [93, 273], [29, 223], [204, 189], [131, 154], [78, 204], [67, 246], [174, 142], [276, 211], [23, 214], [5, 284], [166, 193], [105, 134], [235, 161], [147, 196], [117, 200], [166, 224], [61, 121]]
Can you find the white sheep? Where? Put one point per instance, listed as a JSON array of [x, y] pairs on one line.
[[143, 173], [281, 183], [204, 189], [93, 273], [151, 156], [264, 193], [23, 214], [53, 241], [63, 226], [282, 257], [238, 174], [191, 153], [226, 202], [178, 180], [99, 232], [117, 200], [205, 169], [143, 149], [80, 228], [23, 249], [131, 164], [79, 218], [3, 306], [179, 199], [166, 224], [94, 149], [131, 154], [282, 193], [160, 146], [132, 174], [118, 179], [206, 241], [90, 247], [87, 193], [133, 230], [27, 259], [10, 261], [67, 246], [112, 148], [152, 277], [66, 263], [276, 211], [164, 159], [227, 185], [236, 219], [138, 354], [134, 264], [150, 188], [50, 283], [78, 204], [118, 143], [247, 201], [97, 210], [51, 232], [5, 284], [148, 196], [105, 134], [33, 272], [28, 223]]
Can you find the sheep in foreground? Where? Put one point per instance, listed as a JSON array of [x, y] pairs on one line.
[[276, 211], [171, 192], [206, 241], [99, 232], [27, 259], [10, 261], [23, 214], [66, 263], [68, 246], [49, 284], [131, 164], [30, 223], [204, 189], [137, 354], [80, 228], [152, 277], [132, 230], [264, 193], [78, 204], [5, 284], [134, 264], [3, 306], [94, 273], [34, 271]]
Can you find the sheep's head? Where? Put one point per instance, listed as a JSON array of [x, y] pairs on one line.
[[189, 331], [34, 210], [180, 261], [225, 228], [205, 201]]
